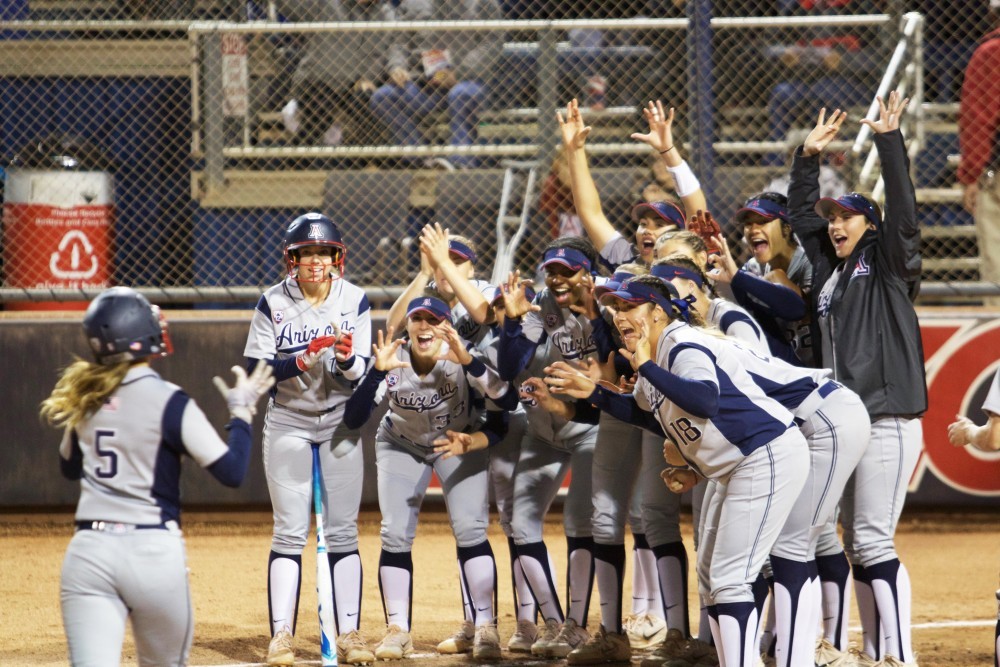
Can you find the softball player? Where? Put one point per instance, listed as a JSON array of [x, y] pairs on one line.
[[126, 430], [726, 427], [434, 412], [869, 269], [558, 324], [986, 438], [294, 325]]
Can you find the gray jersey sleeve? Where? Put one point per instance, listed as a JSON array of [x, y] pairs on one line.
[[201, 440], [992, 403], [617, 251]]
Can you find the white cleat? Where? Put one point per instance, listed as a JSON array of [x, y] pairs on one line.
[[460, 642], [523, 638], [280, 652]]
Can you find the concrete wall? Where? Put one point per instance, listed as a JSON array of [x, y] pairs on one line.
[[960, 347]]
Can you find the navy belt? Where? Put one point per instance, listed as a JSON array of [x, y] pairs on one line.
[[116, 527], [811, 403]]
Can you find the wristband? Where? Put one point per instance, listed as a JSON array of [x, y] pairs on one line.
[[687, 183], [666, 150]]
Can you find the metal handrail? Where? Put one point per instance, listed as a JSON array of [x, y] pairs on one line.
[[909, 39]]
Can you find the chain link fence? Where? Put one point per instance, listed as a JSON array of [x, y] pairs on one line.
[[166, 144]]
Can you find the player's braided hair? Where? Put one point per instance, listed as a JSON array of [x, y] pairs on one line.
[[683, 261], [81, 390]]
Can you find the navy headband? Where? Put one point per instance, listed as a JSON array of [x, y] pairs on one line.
[[765, 208], [428, 304], [633, 292], [671, 271], [568, 257], [462, 250]]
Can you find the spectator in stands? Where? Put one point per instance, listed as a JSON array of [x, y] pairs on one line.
[[441, 70], [951, 30], [339, 71], [828, 67], [979, 138]]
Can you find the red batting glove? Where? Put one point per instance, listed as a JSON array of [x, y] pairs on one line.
[[344, 349], [307, 359]]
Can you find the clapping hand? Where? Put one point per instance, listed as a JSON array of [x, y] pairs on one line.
[[455, 350], [242, 397], [515, 299]]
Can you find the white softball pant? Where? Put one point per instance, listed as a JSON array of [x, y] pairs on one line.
[[109, 577], [287, 450]]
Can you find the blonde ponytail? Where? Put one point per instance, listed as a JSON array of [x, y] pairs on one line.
[[81, 390]]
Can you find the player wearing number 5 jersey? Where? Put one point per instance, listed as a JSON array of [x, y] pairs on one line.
[[126, 431], [435, 391], [307, 327], [727, 429]]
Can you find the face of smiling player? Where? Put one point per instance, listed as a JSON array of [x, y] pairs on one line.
[[629, 318], [425, 337], [315, 263], [846, 229], [766, 239], [650, 227], [565, 284]]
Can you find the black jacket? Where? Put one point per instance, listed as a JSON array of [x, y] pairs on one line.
[[877, 350]]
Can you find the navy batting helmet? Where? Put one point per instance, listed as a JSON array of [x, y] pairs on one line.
[[121, 325], [313, 229]]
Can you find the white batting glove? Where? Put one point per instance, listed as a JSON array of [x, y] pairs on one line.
[[242, 397]]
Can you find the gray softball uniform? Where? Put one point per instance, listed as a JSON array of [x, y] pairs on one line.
[[796, 333], [551, 447], [420, 410], [307, 409], [127, 558], [749, 444]]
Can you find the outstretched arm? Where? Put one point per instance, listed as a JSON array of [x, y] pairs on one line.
[[899, 235], [661, 139], [586, 199]]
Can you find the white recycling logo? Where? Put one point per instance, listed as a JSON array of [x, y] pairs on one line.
[[79, 248]]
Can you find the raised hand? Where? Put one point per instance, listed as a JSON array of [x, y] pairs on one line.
[[314, 351], [889, 114], [564, 379], [242, 397], [515, 300], [574, 132], [434, 244], [824, 132], [385, 354], [704, 225], [661, 134], [455, 350], [586, 303], [725, 265], [643, 346]]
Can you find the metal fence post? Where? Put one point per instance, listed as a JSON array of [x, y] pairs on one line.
[[214, 114]]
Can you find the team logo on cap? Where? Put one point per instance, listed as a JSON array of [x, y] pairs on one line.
[[315, 230], [561, 252], [427, 303]]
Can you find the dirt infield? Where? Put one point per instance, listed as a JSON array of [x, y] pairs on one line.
[[953, 562]]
